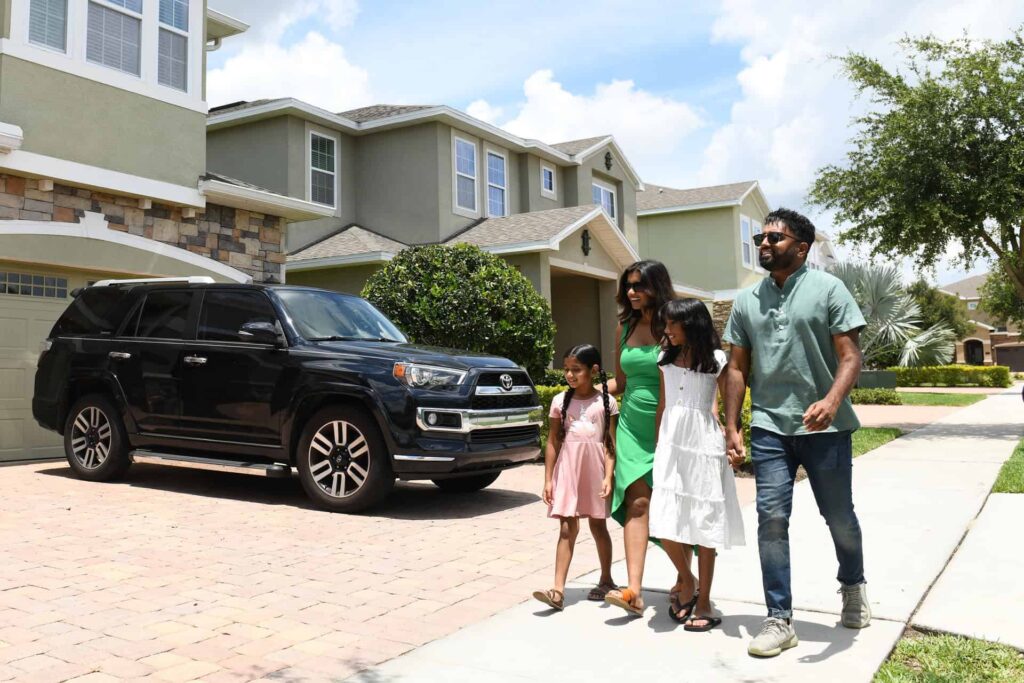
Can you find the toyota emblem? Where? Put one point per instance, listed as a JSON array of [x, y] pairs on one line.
[[506, 382]]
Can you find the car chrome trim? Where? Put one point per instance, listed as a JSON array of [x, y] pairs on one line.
[[423, 458], [472, 420], [517, 390], [200, 463]]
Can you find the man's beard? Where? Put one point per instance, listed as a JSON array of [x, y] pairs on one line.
[[773, 262]]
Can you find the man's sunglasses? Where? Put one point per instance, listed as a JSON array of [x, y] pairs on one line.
[[772, 237]]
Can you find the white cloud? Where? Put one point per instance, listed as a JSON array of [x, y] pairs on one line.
[[650, 128], [793, 116], [314, 70]]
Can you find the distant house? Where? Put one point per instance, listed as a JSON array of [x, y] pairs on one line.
[[992, 342]]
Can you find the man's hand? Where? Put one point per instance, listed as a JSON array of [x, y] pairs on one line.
[[546, 495], [820, 415], [734, 447]]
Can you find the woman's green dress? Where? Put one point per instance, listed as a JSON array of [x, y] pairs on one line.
[[635, 435]]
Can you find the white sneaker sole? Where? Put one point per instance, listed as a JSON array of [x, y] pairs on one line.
[[792, 642]]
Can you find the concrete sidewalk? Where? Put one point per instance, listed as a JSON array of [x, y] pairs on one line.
[[915, 498]]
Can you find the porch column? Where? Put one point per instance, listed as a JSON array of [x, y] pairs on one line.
[[609, 312]]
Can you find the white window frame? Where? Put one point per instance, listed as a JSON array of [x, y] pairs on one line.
[[73, 59], [322, 133], [972, 305], [553, 192], [488, 151], [44, 46], [747, 260], [456, 208], [610, 189], [171, 28], [756, 227]]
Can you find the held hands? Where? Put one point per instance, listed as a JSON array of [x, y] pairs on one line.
[[734, 447], [606, 487], [546, 494], [820, 414]]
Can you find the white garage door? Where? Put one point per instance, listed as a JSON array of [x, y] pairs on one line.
[[30, 302]]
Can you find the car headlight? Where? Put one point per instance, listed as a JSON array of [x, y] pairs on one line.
[[427, 376]]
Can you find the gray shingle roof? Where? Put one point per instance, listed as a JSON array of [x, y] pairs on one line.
[[238, 106], [210, 175], [535, 226], [382, 111], [348, 241], [966, 288], [658, 197], [572, 147]]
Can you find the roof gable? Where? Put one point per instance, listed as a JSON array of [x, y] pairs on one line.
[[660, 198]]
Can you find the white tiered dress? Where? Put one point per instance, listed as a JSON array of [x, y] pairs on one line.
[[694, 499]]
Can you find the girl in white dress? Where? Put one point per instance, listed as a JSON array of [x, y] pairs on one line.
[[694, 495]]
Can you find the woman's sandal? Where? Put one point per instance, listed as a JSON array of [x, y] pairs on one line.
[[548, 598], [709, 623], [627, 600], [680, 612], [598, 592]]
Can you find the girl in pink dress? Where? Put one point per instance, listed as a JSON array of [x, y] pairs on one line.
[[578, 466]]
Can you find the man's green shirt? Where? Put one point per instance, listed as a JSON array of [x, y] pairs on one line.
[[793, 361]]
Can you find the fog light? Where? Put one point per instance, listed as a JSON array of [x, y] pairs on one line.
[[431, 418]]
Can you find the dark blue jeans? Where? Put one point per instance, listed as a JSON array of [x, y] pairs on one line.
[[828, 459]]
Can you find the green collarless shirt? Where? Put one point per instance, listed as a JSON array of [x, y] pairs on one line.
[[793, 361]]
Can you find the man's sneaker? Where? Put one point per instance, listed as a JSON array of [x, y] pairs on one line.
[[775, 636], [856, 610]]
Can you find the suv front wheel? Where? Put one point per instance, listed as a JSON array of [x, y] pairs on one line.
[[94, 439], [342, 462]]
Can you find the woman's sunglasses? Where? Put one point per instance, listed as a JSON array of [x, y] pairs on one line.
[[772, 237], [637, 287]]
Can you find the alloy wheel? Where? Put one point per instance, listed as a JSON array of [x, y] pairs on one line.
[[339, 459], [91, 437]]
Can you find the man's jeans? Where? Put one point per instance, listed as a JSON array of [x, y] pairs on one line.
[[828, 459]]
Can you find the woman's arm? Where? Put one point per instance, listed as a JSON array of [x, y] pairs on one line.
[[617, 384]]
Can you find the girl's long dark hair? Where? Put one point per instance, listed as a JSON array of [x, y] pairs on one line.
[[656, 280], [701, 337], [589, 356]]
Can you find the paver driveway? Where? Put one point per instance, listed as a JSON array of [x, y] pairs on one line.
[[180, 575]]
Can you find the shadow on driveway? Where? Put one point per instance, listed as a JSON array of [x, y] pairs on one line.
[[408, 500]]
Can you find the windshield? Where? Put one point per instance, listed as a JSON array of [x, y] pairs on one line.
[[327, 316]]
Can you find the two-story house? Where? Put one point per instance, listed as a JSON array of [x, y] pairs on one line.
[[396, 176], [103, 172], [705, 237], [991, 342]]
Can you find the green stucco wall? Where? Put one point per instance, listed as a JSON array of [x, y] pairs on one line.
[[349, 280], [77, 119], [530, 183], [576, 310], [582, 178], [257, 153], [699, 248]]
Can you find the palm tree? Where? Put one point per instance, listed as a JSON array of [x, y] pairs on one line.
[[893, 318]]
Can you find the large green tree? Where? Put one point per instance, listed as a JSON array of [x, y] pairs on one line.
[[939, 308], [938, 160]]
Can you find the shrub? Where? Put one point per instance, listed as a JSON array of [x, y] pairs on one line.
[[462, 297], [954, 376], [879, 397], [554, 378]]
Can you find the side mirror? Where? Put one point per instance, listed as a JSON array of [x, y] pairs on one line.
[[261, 333]]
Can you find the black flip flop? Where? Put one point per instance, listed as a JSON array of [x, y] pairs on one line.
[[685, 610], [711, 623]]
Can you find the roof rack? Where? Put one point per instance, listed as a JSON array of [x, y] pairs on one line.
[[192, 280]]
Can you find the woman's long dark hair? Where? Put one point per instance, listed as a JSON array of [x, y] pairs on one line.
[[589, 356], [656, 280], [701, 337]]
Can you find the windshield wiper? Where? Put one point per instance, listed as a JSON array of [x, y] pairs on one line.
[[336, 337]]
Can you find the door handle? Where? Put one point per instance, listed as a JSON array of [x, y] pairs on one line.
[[118, 355], [195, 360]]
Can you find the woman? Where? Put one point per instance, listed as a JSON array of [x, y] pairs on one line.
[[643, 288]]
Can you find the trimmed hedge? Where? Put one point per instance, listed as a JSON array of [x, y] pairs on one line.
[[878, 397], [954, 376], [555, 378]]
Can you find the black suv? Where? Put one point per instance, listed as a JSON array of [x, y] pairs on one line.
[[261, 378]]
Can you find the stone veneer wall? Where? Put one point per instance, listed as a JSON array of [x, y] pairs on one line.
[[251, 242], [720, 311]]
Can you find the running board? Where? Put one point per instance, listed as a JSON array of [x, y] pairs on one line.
[[199, 463]]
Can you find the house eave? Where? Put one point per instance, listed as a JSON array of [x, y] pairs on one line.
[[366, 258], [260, 201]]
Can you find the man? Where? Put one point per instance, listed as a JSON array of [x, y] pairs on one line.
[[794, 338]]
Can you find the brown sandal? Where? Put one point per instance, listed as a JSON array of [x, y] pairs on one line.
[[598, 592], [548, 598], [627, 600]]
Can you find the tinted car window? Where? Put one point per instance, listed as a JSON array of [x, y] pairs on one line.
[[224, 313], [96, 311], [164, 315]]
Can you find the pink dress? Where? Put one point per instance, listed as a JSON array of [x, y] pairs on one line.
[[579, 469]]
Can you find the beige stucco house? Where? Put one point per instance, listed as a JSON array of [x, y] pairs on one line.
[[991, 342]]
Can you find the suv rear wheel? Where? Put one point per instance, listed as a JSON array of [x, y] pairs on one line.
[[94, 439], [342, 462], [470, 484]]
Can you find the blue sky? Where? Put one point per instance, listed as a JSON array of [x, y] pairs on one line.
[[697, 93]]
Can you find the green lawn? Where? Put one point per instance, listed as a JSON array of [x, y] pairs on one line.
[[1011, 477], [913, 398], [870, 438], [920, 658]]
